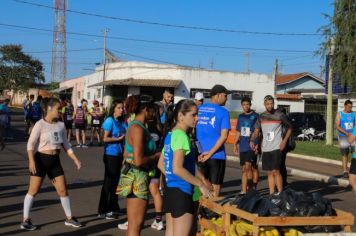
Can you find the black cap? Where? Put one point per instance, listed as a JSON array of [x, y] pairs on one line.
[[218, 88]]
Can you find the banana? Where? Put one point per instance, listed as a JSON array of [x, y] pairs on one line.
[[262, 233], [293, 232], [232, 231], [269, 233], [275, 232]]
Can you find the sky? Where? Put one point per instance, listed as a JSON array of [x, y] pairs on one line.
[[235, 51]]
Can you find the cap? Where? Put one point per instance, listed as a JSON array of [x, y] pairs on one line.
[[218, 88], [95, 102], [199, 96]]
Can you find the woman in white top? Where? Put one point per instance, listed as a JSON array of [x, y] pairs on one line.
[[46, 140]]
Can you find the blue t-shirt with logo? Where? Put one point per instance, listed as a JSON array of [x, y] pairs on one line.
[[212, 120], [116, 129], [246, 126], [347, 122], [178, 140]]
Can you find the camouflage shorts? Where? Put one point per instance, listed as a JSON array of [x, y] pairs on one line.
[[135, 183]]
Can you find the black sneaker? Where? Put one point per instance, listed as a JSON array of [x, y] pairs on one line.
[[27, 225], [110, 216], [345, 175], [73, 222]]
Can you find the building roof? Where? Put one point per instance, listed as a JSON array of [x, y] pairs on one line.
[[289, 78], [291, 97], [141, 82]]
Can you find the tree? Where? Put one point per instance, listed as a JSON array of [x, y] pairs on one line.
[[53, 85], [18, 71], [340, 32]]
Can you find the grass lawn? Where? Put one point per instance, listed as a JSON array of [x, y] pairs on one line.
[[317, 148]]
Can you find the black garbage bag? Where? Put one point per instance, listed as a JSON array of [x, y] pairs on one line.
[[249, 200], [262, 207]]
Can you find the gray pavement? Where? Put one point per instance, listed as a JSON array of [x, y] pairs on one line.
[[84, 189]]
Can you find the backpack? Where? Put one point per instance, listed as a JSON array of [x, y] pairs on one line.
[[291, 143], [36, 111]]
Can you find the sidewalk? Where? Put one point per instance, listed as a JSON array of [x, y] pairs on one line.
[[324, 170]]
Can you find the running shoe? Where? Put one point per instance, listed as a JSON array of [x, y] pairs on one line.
[[27, 225], [157, 225], [79, 146], [73, 222], [345, 175], [123, 226], [84, 146], [110, 216], [101, 216]]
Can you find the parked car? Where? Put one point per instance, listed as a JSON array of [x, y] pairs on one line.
[[301, 121]]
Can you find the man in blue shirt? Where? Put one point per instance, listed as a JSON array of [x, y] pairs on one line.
[[344, 123], [212, 131], [248, 157], [352, 175]]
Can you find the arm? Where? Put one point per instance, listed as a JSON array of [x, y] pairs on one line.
[[286, 122], [68, 148], [108, 139], [236, 143], [31, 145], [254, 136], [337, 125], [136, 139], [161, 164]]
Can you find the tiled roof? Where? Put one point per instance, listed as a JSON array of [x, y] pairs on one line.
[[288, 78], [141, 82], [293, 97]]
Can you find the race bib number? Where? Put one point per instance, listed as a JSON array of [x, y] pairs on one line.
[[349, 125], [245, 131], [69, 117], [96, 122], [270, 136], [56, 138]]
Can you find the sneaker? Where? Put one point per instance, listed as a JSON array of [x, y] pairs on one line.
[[345, 175], [73, 222], [84, 146], [101, 216], [79, 146], [110, 216], [123, 226], [120, 212], [241, 194], [157, 225], [27, 225]]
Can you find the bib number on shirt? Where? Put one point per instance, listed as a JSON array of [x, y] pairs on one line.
[[96, 122], [270, 136], [56, 138], [69, 117], [245, 131], [349, 125]]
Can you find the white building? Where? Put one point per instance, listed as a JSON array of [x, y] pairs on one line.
[[131, 77]]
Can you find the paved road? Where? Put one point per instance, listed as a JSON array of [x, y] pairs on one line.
[[84, 189]]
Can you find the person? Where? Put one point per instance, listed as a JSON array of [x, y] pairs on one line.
[[248, 157], [43, 148], [27, 118], [166, 101], [270, 124], [3, 123], [97, 115], [212, 132], [24, 106], [67, 118], [114, 134], [177, 163], [35, 112], [352, 175], [79, 117], [344, 123], [140, 154], [199, 98]]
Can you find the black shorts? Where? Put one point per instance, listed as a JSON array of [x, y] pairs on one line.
[[68, 125], [250, 157], [346, 151], [80, 126], [271, 160], [353, 166], [177, 202], [48, 165], [214, 170]]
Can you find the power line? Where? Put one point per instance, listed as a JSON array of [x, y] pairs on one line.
[[166, 42], [73, 50], [137, 21]]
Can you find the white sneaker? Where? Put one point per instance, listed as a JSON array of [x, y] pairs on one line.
[[157, 225], [123, 226]]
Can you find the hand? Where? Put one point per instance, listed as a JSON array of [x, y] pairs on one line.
[[253, 146], [205, 191], [78, 164], [236, 149], [207, 184], [282, 146], [120, 138], [32, 167], [257, 146], [348, 134], [204, 157]]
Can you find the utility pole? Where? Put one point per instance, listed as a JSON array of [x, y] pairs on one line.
[[247, 55], [212, 63], [329, 108], [105, 31], [275, 75]]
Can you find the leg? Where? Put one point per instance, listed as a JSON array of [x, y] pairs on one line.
[[278, 180], [77, 135], [183, 224], [352, 180], [92, 130], [216, 189], [97, 130], [60, 185], [34, 187], [136, 210], [283, 168], [271, 183], [169, 225], [244, 178], [84, 136], [69, 134], [157, 198], [114, 171], [345, 160], [104, 196], [255, 176]]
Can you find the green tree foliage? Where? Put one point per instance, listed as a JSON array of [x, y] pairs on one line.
[[53, 85], [18, 71], [341, 33]]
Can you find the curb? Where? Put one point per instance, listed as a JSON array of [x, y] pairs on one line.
[[313, 158], [306, 174]]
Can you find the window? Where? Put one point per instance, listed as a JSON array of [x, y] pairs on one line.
[[284, 107], [78, 94], [238, 95], [98, 93], [88, 95]]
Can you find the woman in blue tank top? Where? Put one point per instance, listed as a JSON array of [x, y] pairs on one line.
[[177, 162]]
